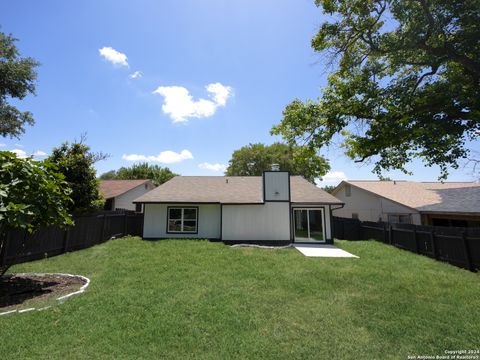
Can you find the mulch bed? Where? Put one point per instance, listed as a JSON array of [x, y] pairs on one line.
[[28, 290]]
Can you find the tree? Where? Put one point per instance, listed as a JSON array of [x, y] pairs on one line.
[[32, 195], [329, 188], [17, 80], [156, 173], [406, 84], [254, 159], [75, 161]]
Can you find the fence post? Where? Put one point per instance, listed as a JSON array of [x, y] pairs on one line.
[[415, 239], [385, 233], [465, 249], [125, 224], [434, 247], [390, 234], [103, 228], [3, 255], [66, 237]]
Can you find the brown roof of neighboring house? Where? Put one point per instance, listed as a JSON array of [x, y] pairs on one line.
[[448, 197], [113, 188], [230, 190]]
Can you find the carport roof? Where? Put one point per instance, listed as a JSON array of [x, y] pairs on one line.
[[230, 190]]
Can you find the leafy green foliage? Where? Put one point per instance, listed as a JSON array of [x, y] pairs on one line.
[[406, 84], [17, 80], [75, 161], [140, 171], [254, 159], [329, 188], [32, 194]]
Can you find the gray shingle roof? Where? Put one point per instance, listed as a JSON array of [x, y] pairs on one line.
[[451, 197], [230, 189]]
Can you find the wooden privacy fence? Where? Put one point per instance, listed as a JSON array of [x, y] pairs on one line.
[[19, 246], [457, 246]]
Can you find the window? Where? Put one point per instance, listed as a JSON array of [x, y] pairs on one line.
[[182, 220], [399, 219], [348, 190], [138, 207]]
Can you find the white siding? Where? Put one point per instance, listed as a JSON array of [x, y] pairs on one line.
[[155, 221], [270, 221], [124, 201], [276, 186], [371, 207], [326, 213]]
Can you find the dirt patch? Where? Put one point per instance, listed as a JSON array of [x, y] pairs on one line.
[[23, 291]]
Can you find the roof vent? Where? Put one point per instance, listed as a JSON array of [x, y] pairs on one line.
[[275, 167]]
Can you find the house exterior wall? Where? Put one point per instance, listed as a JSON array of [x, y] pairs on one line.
[[155, 221], [277, 186], [267, 222], [326, 214], [124, 201], [371, 207]]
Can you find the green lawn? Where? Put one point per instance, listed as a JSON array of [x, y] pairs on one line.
[[196, 299]]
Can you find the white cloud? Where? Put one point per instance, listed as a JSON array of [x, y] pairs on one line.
[[165, 157], [20, 153], [220, 93], [114, 56], [39, 153], [3, 145], [18, 145], [334, 177], [136, 75], [212, 167], [179, 104]]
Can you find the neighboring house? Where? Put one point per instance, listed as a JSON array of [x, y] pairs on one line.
[[275, 208], [426, 203], [119, 194]]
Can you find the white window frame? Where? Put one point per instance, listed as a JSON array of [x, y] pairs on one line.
[[182, 219]]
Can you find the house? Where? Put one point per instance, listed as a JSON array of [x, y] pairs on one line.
[[421, 203], [119, 194], [275, 208]]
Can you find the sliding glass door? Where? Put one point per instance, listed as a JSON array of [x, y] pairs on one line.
[[308, 225]]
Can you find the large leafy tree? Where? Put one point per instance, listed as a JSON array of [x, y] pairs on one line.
[[17, 80], [32, 195], [156, 173], [75, 161], [406, 83], [253, 159]]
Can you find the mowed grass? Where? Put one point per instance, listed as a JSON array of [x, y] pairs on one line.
[[196, 299]]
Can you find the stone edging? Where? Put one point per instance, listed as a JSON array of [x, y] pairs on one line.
[[261, 246], [61, 299]]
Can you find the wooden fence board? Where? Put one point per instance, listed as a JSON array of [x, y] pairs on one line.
[[457, 246], [87, 231]]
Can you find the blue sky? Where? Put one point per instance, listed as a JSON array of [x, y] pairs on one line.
[[181, 83]]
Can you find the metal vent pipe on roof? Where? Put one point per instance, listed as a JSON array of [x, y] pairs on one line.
[[275, 167]]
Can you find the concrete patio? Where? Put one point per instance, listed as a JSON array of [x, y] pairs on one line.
[[321, 250]]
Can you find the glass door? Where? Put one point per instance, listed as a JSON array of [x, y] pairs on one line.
[[308, 225]]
